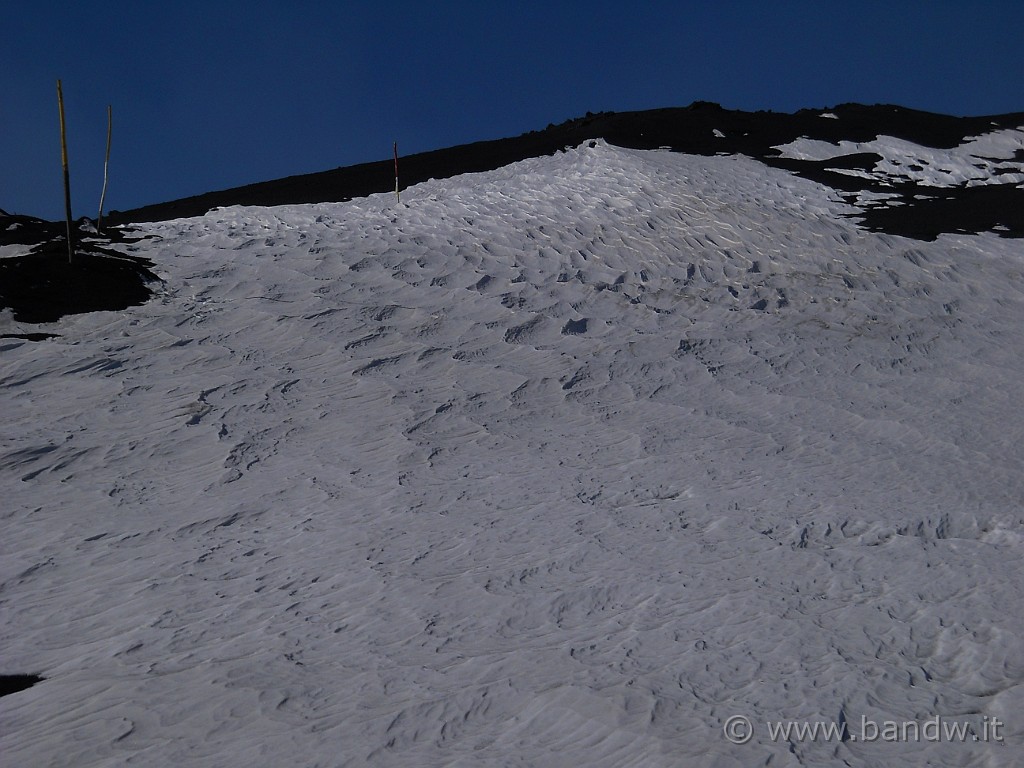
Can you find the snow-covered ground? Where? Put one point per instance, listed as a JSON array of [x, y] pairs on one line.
[[994, 158], [563, 464]]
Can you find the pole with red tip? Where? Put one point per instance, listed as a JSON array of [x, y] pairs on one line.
[[397, 197]]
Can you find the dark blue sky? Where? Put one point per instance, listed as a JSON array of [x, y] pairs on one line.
[[208, 95]]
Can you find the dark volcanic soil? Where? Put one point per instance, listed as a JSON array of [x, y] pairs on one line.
[[42, 286]]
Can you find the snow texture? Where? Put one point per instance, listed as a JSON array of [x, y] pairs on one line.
[[995, 158], [561, 464]]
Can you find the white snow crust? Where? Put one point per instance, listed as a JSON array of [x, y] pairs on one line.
[[562, 464], [986, 159]]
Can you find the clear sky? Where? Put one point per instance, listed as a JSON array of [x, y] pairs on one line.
[[219, 93]]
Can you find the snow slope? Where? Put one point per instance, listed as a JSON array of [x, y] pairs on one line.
[[561, 464], [994, 158]]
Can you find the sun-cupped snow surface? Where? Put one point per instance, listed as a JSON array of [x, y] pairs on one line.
[[563, 464], [993, 158]]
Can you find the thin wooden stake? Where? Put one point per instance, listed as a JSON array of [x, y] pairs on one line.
[[67, 177], [106, 162], [397, 197]]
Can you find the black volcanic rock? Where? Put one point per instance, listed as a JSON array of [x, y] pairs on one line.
[[42, 286], [995, 208], [14, 683]]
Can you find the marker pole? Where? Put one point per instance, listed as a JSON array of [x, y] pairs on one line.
[[106, 162], [67, 178], [397, 197]]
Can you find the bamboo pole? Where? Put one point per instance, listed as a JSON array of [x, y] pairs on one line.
[[67, 178], [106, 162]]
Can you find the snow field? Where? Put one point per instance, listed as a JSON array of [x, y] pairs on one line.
[[560, 464]]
